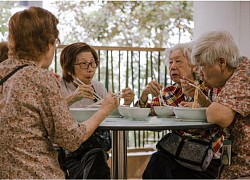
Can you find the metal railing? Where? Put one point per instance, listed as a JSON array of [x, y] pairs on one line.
[[132, 67]]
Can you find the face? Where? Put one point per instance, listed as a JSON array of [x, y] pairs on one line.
[[179, 66], [211, 75], [85, 74]]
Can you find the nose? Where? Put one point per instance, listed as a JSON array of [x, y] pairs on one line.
[[172, 65]]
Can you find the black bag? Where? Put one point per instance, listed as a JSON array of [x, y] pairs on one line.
[[99, 139], [190, 152], [91, 165]]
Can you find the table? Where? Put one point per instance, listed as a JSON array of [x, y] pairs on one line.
[[119, 125]]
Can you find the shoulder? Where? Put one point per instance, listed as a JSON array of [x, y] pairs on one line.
[[98, 85]]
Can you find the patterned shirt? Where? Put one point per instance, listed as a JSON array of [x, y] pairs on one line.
[[33, 116], [236, 96], [173, 95]]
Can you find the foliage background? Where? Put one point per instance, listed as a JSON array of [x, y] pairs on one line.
[[115, 23]]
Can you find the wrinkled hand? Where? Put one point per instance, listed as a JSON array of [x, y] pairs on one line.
[[153, 88], [110, 103], [128, 96], [187, 89], [83, 91]]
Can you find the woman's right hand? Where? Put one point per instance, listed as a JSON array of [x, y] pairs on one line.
[[110, 103]]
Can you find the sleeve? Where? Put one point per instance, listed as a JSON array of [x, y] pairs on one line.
[[236, 93], [61, 127]]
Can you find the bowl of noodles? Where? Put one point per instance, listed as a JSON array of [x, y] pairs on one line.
[[82, 114], [190, 114]]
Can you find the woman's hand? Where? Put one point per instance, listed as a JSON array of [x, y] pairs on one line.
[[128, 96], [109, 103], [153, 88], [82, 91]]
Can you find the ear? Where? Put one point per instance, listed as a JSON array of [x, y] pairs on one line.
[[222, 63]]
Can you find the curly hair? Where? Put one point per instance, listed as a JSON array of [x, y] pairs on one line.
[[30, 33], [3, 51]]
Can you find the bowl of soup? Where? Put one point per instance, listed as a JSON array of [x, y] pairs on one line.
[[163, 111], [82, 114], [134, 113]]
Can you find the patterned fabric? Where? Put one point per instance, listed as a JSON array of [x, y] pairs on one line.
[[236, 96], [33, 116], [173, 95], [100, 138]]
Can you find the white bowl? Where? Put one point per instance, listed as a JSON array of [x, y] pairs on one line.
[[82, 114], [189, 114], [134, 113], [163, 111], [114, 113]]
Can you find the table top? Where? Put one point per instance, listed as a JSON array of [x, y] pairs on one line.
[[152, 123]]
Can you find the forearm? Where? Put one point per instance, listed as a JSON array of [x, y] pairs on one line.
[[203, 100], [144, 97], [94, 121]]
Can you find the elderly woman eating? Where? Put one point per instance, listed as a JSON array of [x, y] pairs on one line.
[[79, 63], [221, 66], [161, 164]]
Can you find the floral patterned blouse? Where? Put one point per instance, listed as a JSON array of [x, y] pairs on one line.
[[33, 116], [236, 96]]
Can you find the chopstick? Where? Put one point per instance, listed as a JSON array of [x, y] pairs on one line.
[[192, 85], [118, 95], [79, 83]]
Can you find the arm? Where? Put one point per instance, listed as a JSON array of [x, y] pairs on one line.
[[220, 114]]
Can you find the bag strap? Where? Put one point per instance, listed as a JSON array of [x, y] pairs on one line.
[[11, 73]]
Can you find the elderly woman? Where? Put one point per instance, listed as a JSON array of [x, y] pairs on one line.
[[221, 66], [161, 164], [3, 51], [34, 115], [79, 60]]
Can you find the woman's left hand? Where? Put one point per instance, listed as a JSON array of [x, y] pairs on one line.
[[128, 96]]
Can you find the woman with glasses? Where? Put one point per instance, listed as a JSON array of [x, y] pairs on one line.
[[79, 62], [33, 113]]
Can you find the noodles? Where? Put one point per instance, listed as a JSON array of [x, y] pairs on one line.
[[196, 93]]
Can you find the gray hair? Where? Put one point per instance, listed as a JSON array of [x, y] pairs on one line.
[[214, 45], [185, 47]]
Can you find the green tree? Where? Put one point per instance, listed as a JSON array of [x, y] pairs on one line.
[[5, 7], [125, 23]]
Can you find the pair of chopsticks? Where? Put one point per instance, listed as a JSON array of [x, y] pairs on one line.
[[117, 95], [79, 83]]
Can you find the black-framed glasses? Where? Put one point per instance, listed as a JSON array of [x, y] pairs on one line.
[[85, 65]]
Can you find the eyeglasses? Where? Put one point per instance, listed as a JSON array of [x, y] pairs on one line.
[[57, 42], [85, 65]]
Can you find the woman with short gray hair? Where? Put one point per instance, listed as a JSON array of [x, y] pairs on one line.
[[221, 66]]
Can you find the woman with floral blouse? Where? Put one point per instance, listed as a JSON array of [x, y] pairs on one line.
[[33, 113], [221, 66]]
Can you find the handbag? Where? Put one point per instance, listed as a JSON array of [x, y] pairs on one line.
[[188, 151]]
